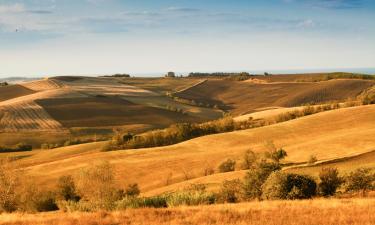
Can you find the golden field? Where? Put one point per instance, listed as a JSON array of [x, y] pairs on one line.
[[306, 212], [325, 135]]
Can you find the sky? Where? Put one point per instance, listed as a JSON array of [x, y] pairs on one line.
[[92, 37]]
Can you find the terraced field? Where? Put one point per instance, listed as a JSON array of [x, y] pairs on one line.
[[27, 117], [108, 111], [246, 97]]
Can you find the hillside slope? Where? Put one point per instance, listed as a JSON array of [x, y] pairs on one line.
[[328, 135], [13, 91], [245, 97]]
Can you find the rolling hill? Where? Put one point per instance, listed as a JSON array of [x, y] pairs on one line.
[[246, 97], [325, 135], [84, 107]]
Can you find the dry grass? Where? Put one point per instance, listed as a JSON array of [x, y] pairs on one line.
[[307, 212], [245, 97]]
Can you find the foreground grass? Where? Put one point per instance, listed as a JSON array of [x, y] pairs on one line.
[[307, 212]]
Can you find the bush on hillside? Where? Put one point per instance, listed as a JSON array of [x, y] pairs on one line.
[[256, 177], [132, 190], [360, 180], [330, 181], [97, 186], [227, 166], [66, 189], [281, 185], [231, 191], [249, 160], [273, 153]]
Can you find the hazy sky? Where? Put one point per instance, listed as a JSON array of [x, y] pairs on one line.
[[54, 37]]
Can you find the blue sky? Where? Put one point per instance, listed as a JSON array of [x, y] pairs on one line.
[[54, 37]]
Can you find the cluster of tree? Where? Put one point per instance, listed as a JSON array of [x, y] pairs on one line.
[[20, 147], [181, 132], [177, 133], [195, 103], [170, 74], [72, 141], [265, 181], [2, 84], [217, 74], [120, 75], [336, 75]]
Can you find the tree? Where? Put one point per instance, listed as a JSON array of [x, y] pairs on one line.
[[256, 177], [281, 185], [329, 181], [361, 179], [227, 166], [249, 160]]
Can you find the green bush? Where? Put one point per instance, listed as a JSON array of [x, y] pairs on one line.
[[150, 202], [281, 185], [231, 191], [227, 166], [361, 180], [66, 189], [249, 160], [330, 181], [132, 190], [97, 185], [190, 198], [45, 202], [256, 177]]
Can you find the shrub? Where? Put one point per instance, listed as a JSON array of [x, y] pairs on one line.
[[45, 201], [312, 160], [227, 166], [150, 202], [231, 191], [23, 147], [281, 185], [273, 153], [132, 190], [190, 198], [368, 96], [97, 185], [329, 181], [256, 176], [194, 194], [249, 160], [66, 189], [361, 179]]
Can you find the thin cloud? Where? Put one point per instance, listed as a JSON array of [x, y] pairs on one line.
[[330, 4], [182, 9]]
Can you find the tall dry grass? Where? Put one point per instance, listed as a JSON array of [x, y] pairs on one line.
[[307, 212]]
